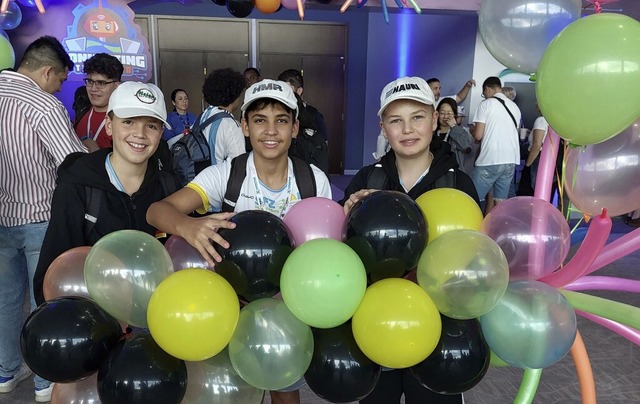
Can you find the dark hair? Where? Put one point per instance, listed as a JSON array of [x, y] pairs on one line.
[[223, 86], [293, 77], [103, 63], [81, 104], [262, 103], [251, 69], [433, 80], [492, 82], [450, 102], [175, 92], [46, 51]]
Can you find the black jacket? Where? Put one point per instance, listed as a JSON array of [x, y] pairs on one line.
[[443, 160], [118, 211]]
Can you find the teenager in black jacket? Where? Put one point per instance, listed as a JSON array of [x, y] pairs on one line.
[[110, 189]]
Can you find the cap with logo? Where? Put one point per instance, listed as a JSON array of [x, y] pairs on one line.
[[406, 88], [132, 99], [273, 89]]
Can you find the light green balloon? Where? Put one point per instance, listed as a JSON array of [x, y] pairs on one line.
[[588, 78], [7, 55], [270, 349], [122, 270], [465, 273], [323, 283], [214, 381]]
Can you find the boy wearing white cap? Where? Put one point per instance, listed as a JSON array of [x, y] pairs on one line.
[[417, 162], [269, 120], [110, 189]]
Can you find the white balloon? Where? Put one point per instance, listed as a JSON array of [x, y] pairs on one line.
[[517, 32]]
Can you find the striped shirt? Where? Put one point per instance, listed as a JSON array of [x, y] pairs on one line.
[[35, 136]]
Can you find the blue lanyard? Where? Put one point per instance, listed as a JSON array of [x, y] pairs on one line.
[[113, 177]]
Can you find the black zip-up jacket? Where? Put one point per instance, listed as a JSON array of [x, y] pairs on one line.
[[443, 161], [118, 211]]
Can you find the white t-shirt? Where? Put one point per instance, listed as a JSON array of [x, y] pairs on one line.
[[211, 185], [229, 138], [539, 124], [500, 142]]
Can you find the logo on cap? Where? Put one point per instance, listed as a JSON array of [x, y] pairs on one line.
[[269, 86], [145, 96], [402, 87]]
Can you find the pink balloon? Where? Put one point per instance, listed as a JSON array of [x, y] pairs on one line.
[[616, 249], [65, 275], [547, 166], [602, 1], [590, 248], [605, 175], [627, 332], [532, 233], [183, 255], [604, 283], [313, 218], [83, 391], [290, 4]]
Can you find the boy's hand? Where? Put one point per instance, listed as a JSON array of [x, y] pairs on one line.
[[355, 197], [202, 232]]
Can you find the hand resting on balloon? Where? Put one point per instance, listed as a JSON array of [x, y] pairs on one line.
[[355, 197], [171, 215]]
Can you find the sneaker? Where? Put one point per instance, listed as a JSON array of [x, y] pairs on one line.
[[44, 395], [8, 384]]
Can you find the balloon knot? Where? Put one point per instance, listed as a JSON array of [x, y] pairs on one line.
[[604, 213], [598, 7]]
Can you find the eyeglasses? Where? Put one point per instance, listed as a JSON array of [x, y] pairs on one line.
[[446, 113], [100, 84]]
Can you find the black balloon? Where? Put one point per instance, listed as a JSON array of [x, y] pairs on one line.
[[459, 361], [240, 8], [68, 338], [339, 372], [139, 371], [258, 248], [220, 2], [388, 231]]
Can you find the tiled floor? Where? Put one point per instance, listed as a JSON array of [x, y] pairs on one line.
[[615, 361]]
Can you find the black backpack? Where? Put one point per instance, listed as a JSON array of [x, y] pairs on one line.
[[310, 147], [191, 153], [305, 180]]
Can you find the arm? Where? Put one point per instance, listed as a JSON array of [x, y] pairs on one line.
[[357, 189], [464, 91], [478, 131], [538, 135], [171, 215], [57, 135], [91, 145], [461, 138]]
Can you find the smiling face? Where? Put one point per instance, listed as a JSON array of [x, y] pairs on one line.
[[435, 88], [134, 139], [181, 102], [270, 130], [408, 126], [100, 90]]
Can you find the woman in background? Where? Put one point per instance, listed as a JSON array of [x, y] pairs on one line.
[[449, 131], [180, 119]]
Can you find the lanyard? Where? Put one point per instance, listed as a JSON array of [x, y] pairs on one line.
[[186, 123], [260, 200], [113, 177], [89, 126]]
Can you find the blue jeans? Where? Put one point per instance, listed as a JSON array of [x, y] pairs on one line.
[[497, 177], [19, 253]]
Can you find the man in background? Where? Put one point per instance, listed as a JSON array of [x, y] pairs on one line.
[[35, 137], [436, 88], [251, 76]]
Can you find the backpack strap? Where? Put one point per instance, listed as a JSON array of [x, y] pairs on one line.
[[510, 114], [377, 178], [448, 180], [305, 180], [213, 122], [236, 178], [92, 199]]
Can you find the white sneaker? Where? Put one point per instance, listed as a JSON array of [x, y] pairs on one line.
[[7, 385], [44, 395]]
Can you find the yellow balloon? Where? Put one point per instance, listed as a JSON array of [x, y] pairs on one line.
[[193, 313], [397, 325], [447, 209]]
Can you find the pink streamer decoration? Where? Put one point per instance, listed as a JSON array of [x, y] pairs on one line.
[[604, 283], [547, 166], [627, 332], [617, 249], [588, 252]]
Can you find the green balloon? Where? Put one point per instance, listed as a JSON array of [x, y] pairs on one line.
[[587, 80], [122, 270], [270, 348], [7, 56], [323, 283]]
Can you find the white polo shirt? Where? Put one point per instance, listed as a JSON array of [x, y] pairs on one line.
[[500, 142]]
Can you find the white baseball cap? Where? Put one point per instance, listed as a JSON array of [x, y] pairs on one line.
[[406, 88], [132, 99], [274, 89]]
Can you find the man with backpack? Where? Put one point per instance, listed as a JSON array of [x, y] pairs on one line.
[[216, 135], [273, 182], [417, 162]]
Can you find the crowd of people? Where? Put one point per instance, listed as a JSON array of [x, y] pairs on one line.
[[67, 183]]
